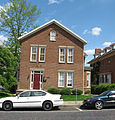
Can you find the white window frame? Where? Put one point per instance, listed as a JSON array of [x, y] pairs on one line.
[[40, 53], [69, 79], [60, 55], [88, 86], [53, 35], [70, 55], [33, 53], [59, 79]]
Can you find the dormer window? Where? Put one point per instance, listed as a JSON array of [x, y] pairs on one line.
[[53, 35]]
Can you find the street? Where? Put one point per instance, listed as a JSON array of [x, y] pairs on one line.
[[63, 113]]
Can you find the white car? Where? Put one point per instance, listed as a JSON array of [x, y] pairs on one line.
[[31, 98]]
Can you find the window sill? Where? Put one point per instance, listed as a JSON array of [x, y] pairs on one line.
[[70, 63], [41, 61], [69, 87], [52, 41], [61, 87]]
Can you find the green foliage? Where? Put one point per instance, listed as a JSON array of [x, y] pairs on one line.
[[7, 68], [87, 92], [54, 90], [79, 92], [17, 17], [4, 94], [65, 91], [98, 89]]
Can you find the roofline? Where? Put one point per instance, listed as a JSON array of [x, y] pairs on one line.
[[100, 57], [49, 23]]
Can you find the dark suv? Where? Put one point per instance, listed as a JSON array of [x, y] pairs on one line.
[[106, 98]]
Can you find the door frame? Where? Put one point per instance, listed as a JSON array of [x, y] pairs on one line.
[[32, 78]]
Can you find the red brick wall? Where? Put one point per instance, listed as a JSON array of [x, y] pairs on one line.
[[108, 66], [51, 65]]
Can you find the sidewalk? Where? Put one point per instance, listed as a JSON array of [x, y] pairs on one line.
[[72, 103]]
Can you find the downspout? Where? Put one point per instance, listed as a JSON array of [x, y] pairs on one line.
[[83, 70]]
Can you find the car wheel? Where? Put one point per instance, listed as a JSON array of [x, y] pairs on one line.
[[7, 106], [47, 105], [98, 105]]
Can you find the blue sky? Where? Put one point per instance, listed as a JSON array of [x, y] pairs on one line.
[[93, 20]]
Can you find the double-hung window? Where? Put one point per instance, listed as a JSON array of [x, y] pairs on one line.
[[33, 56], [88, 79], [53, 35], [61, 55], [70, 79], [42, 52], [61, 79], [70, 55]]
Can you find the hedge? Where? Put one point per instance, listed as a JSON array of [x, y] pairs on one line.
[[98, 89], [79, 92], [4, 94], [54, 90], [65, 91]]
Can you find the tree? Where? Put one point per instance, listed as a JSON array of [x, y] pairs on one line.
[[17, 17], [7, 68]]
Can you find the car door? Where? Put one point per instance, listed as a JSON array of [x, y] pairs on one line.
[[23, 99], [112, 98], [37, 98]]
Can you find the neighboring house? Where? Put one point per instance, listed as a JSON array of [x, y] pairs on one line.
[[103, 65], [52, 56]]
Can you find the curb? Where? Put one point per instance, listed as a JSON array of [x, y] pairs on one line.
[[72, 104]]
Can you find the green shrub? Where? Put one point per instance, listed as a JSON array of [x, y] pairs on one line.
[[98, 89], [79, 92], [87, 92], [54, 90], [65, 91], [4, 94]]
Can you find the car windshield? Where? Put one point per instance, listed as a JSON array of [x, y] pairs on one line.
[[104, 93]]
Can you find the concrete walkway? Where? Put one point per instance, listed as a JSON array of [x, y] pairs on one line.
[[72, 103]]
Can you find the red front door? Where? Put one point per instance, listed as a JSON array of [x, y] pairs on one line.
[[36, 81]]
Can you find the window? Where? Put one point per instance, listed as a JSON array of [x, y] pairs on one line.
[[38, 93], [70, 54], [70, 79], [88, 79], [42, 51], [61, 79], [33, 56], [61, 55], [25, 94], [105, 79], [53, 35]]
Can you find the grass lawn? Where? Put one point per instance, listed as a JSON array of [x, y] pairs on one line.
[[72, 97]]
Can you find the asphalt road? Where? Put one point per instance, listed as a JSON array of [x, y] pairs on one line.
[[65, 113]]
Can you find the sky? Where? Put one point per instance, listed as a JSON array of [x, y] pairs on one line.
[[93, 20]]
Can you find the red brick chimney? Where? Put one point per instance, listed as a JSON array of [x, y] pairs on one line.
[[97, 50]]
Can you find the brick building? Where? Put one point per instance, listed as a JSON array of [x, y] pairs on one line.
[[52, 56], [103, 65]]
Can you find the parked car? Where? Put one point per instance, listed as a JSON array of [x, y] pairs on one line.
[[107, 98], [31, 98]]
